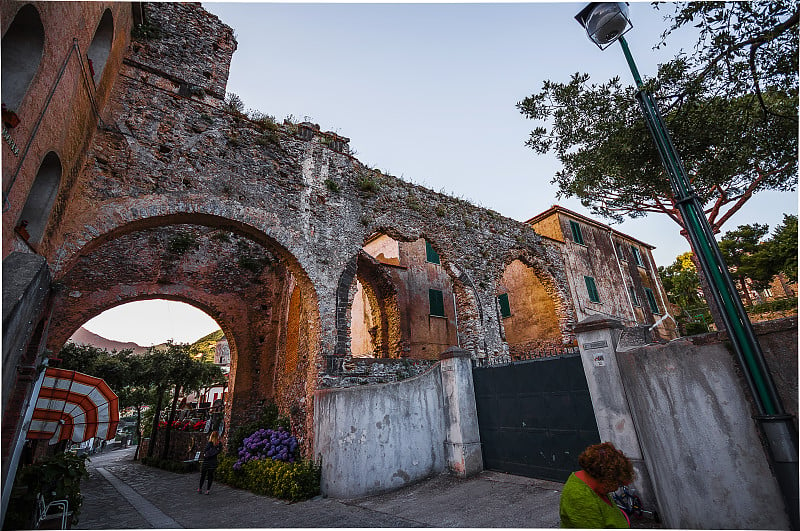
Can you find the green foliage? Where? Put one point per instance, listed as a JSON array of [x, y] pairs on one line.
[[760, 261], [182, 242], [413, 203], [739, 248], [332, 185], [778, 305], [682, 284], [146, 31], [733, 122], [289, 481], [781, 248], [269, 418], [233, 104], [745, 47], [57, 477], [206, 346], [367, 183]]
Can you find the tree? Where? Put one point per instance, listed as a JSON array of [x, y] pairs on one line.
[[781, 248], [682, 284], [183, 372], [739, 248], [731, 107], [127, 374]]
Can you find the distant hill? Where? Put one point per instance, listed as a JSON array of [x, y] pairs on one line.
[[206, 344], [84, 337]]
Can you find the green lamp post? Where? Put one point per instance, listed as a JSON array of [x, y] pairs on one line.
[[605, 23]]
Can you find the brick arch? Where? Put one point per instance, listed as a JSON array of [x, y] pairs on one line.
[[115, 219], [468, 308], [550, 285], [382, 295], [257, 334], [59, 335]]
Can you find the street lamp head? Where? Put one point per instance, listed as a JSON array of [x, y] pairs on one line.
[[605, 22]]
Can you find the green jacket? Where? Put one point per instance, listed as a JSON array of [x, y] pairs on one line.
[[581, 507]]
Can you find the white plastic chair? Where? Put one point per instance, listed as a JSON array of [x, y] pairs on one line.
[[45, 511]]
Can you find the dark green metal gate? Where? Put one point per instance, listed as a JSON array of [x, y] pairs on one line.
[[535, 417]]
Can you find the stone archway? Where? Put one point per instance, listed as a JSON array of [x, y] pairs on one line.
[[242, 282], [533, 310]]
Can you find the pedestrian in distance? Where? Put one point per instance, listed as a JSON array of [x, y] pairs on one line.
[[213, 448], [586, 498]]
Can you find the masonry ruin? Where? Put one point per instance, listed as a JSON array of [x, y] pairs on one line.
[[264, 226]]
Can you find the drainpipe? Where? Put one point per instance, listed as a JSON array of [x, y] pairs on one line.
[[651, 266], [622, 275]]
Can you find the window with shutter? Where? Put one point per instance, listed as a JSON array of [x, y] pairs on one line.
[[436, 301], [651, 299], [505, 307], [591, 287], [577, 235]]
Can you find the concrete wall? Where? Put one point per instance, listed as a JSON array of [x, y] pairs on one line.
[[380, 437], [699, 440]]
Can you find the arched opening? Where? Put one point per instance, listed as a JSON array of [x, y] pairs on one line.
[[528, 311], [237, 275], [22, 48], [194, 394], [98, 51], [375, 315], [36, 212], [402, 301]]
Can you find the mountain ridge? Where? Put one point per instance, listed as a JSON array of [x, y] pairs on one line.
[[85, 337]]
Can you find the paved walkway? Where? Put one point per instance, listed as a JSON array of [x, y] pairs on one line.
[[123, 494]]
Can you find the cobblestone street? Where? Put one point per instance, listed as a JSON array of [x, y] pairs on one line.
[[122, 494]]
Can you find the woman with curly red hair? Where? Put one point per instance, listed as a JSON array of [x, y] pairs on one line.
[[585, 499]]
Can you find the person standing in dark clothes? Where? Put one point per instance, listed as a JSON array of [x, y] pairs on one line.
[[209, 461]]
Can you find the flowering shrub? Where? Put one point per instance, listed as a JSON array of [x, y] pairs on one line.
[[278, 445], [289, 481], [184, 425]]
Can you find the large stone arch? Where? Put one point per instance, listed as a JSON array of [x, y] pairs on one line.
[[240, 275], [469, 314], [381, 295], [544, 281]]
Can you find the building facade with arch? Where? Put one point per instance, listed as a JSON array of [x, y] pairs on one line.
[[127, 176]]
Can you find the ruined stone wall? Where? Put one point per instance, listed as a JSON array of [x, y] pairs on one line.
[[533, 323], [171, 155]]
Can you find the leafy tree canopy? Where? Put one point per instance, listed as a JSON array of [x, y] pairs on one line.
[[731, 107]]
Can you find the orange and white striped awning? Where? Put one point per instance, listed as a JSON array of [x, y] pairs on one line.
[[74, 406]]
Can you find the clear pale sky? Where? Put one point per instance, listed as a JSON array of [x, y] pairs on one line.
[[427, 92]]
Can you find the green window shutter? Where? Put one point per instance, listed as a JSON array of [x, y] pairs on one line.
[[431, 255], [651, 299], [505, 307], [437, 302], [577, 235], [634, 298], [637, 256], [591, 287]]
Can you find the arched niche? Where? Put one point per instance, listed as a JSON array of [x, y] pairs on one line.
[[528, 310], [36, 211], [400, 301], [22, 48], [101, 46]]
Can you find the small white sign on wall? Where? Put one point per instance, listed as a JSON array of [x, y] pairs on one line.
[[599, 360]]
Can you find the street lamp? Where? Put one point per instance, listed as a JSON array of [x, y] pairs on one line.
[[606, 22]]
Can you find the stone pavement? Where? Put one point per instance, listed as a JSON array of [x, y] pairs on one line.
[[123, 494]]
